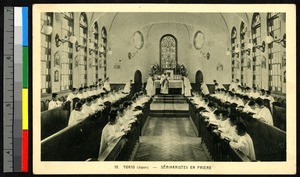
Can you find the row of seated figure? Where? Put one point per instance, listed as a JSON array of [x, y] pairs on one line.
[[227, 117], [77, 106], [237, 88], [120, 120], [81, 93], [80, 140]]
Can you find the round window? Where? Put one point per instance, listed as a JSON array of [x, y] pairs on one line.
[[199, 40], [138, 40]]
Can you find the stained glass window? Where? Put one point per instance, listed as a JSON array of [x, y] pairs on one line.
[[168, 52], [243, 54], [46, 19], [103, 52], [233, 55], [67, 26], [257, 53], [94, 53], [275, 52], [83, 30]]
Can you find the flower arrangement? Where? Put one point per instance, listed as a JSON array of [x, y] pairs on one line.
[[181, 69], [155, 69]]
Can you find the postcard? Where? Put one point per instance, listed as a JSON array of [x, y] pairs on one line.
[[164, 89]]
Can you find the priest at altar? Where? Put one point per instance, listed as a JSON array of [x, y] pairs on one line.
[[164, 83]]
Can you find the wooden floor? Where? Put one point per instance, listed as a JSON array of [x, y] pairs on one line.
[[169, 139]]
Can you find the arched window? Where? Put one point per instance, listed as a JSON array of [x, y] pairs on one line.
[[46, 19], [83, 31], [67, 27], [94, 51], [103, 52], [233, 55], [168, 52], [257, 53], [275, 52], [243, 54]]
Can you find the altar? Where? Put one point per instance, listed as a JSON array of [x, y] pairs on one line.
[[175, 86], [168, 65]]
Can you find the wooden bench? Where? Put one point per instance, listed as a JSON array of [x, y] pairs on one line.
[[54, 120], [74, 143], [279, 117], [269, 141]]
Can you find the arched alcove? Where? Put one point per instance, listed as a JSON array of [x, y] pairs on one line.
[[137, 81], [198, 79]]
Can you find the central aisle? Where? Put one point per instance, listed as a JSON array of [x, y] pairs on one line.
[[170, 139]]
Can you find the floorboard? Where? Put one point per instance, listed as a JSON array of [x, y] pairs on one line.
[[170, 139]]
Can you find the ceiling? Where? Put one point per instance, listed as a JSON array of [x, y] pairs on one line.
[[211, 21]]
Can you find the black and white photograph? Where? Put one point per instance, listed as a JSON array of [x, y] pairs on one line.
[[164, 89]]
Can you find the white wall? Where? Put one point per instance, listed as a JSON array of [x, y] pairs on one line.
[[120, 40]]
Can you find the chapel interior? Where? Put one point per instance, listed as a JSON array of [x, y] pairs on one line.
[[211, 50]]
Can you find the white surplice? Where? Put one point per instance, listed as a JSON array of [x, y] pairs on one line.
[[254, 94], [264, 114], [87, 110], [220, 86], [107, 86], [233, 86], [71, 96], [109, 133], [164, 82], [245, 145], [127, 87], [85, 94], [204, 89], [54, 104], [75, 117], [150, 87], [187, 86]]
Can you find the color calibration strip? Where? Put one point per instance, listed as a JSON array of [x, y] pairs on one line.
[[25, 90], [15, 123]]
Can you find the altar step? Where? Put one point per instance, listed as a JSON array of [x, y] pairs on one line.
[[169, 99], [168, 95], [174, 98], [169, 113], [169, 106]]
